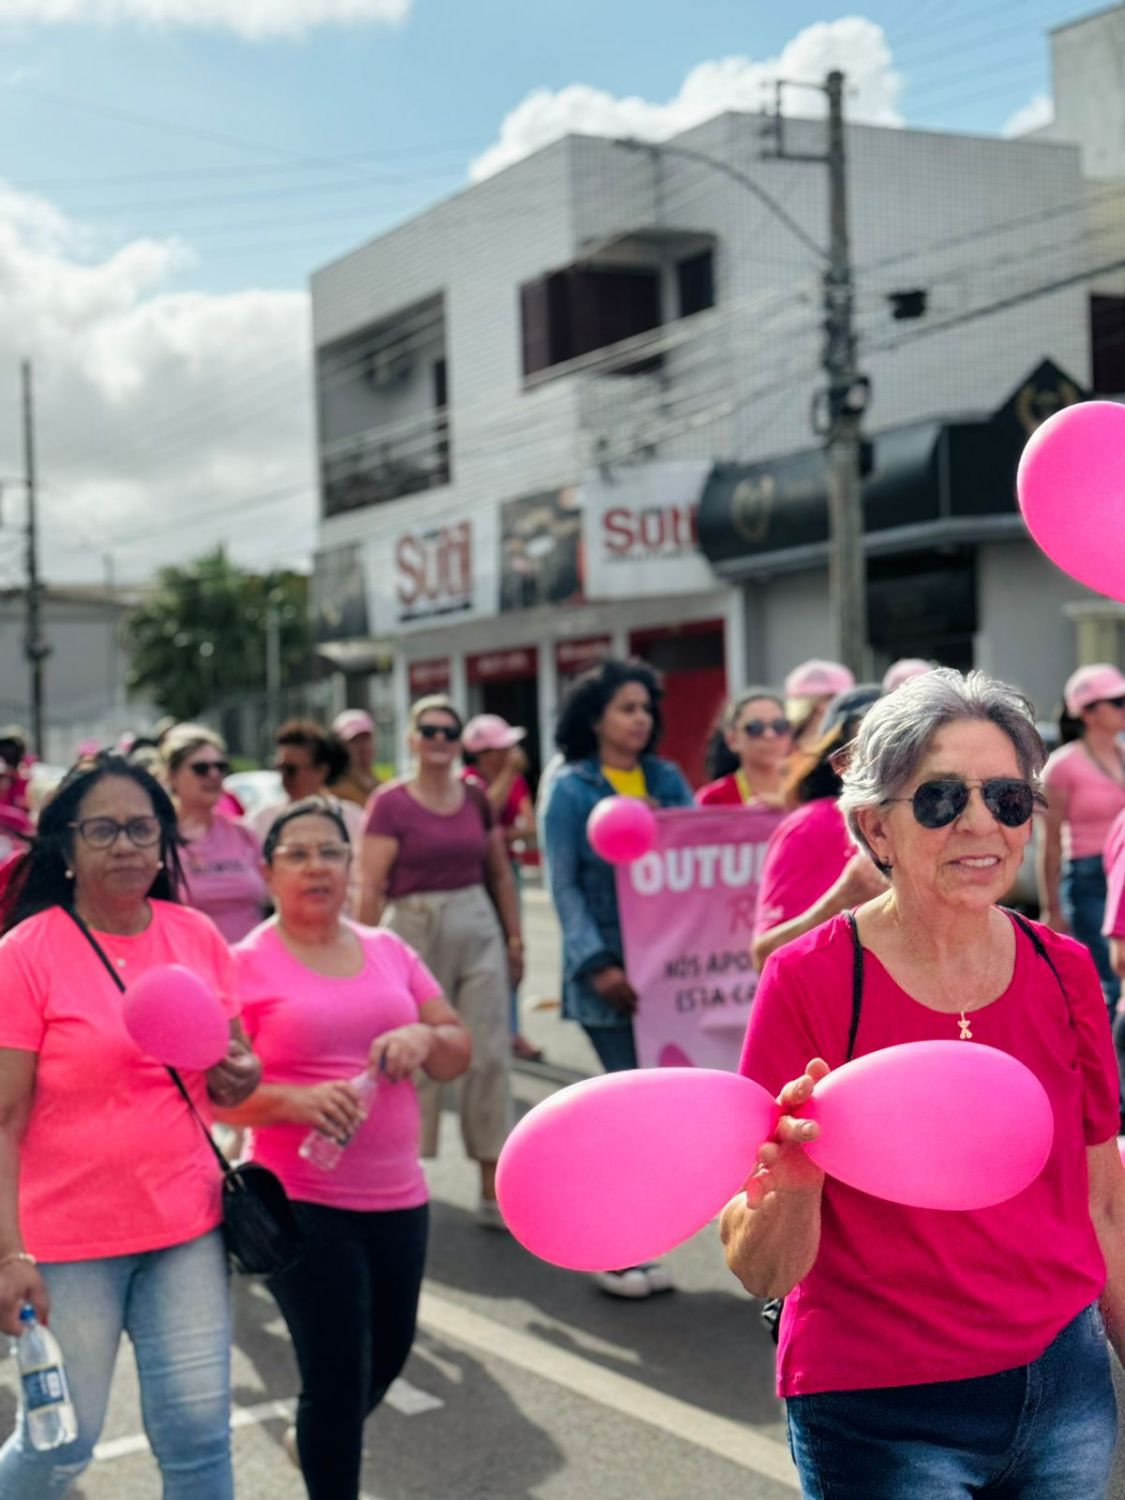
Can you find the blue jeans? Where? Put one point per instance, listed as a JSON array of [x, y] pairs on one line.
[[615, 1046], [1043, 1431], [1083, 892], [174, 1306]]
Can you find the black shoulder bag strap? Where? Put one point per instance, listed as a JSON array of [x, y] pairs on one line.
[[1037, 943], [771, 1309], [175, 1077]]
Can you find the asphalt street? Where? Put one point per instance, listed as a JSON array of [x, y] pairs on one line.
[[525, 1380]]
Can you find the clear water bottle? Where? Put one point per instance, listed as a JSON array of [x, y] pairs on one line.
[[51, 1420], [324, 1151]]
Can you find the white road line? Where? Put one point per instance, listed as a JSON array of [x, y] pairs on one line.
[[734, 1441]]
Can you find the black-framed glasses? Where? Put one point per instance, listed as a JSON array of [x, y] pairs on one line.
[[300, 855], [755, 728], [102, 833], [448, 732], [1009, 799], [205, 767]]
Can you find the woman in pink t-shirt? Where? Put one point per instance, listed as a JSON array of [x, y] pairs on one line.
[[329, 1005], [115, 1221], [1085, 784], [930, 1352], [221, 856]]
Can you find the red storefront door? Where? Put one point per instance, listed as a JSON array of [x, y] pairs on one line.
[[691, 662]]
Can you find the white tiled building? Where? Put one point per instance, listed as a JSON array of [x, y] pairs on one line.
[[522, 390]]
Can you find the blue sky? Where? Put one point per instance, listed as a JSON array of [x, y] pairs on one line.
[[212, 135], [165, 189]]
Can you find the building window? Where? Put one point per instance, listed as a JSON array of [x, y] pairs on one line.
[[695, 282], [583, 308], [1107, 345]]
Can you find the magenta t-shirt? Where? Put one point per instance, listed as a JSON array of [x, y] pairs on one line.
[[806, 855], [223, 877], [308, 1029], [436, 851], [897, 1295], [1091, 799]]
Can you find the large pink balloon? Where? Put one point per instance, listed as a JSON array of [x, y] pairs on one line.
[[173, 1016], [621, 829], [933, 1125], [1071, 486], [617, 1170]]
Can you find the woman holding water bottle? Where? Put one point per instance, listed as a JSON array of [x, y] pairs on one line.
[[341, 1015]]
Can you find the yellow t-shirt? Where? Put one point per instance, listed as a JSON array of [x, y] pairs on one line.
[[626, 783]]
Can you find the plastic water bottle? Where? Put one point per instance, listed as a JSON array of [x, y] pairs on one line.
[[51, 1420], [324, 1151]]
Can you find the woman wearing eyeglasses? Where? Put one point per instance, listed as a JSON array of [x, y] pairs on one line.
[[109, 1194], [930, 1352], [325, 1001], [1085, 782], [221, 857], [749, 760], [435, 869]]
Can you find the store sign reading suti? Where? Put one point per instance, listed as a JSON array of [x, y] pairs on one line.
[[639, 531], [434, 572]]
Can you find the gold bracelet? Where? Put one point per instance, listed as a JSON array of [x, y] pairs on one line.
[[23, 1255]]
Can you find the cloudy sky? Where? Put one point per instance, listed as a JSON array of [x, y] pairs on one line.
[[170, 171]]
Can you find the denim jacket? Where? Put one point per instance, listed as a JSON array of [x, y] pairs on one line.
[[583, 886]]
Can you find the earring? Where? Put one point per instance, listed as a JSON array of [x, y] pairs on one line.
[[69, 873], [160, 864]]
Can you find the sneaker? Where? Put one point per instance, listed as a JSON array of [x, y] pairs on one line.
[[631, 1283], [489, 1215], [659, 1277]]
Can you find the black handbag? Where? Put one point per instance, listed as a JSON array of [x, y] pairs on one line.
[[260, 1228]]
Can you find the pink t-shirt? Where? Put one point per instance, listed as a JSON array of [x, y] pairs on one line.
[[1113, 857], [307, 1029], [436, 851], [224, 877], [1091, 799], [806, 855], [113, 1162], [902, 1295]]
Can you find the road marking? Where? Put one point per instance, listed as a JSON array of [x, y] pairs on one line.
[[734, 1441], [407, 1399]]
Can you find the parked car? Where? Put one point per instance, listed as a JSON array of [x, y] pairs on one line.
[[254, 789]]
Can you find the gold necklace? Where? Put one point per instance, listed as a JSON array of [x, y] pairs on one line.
[[966, 1029]]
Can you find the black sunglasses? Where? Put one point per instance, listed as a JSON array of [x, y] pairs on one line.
[[1113, 702], [439, 731], [755, 728], [205, 767], [937, 803], [286, 768]]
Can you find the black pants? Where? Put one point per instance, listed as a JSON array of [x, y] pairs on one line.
[[351, 1303]]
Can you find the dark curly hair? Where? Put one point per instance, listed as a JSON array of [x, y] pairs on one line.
[[39, 880], [324, 747], [589, 696]]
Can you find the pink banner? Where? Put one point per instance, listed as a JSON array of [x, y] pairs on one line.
[[687, 918]]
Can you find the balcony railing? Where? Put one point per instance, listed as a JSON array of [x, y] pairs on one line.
[[403, 458]]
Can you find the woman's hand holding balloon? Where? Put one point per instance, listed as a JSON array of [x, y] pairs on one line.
[[783, 1165], [613, 985], [235, 1078], [21, 1282], [403, 1051]]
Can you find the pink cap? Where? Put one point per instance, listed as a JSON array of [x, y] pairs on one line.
[[351, 722], [490, 732], [818, 679], [902, 671], [1091, 684]]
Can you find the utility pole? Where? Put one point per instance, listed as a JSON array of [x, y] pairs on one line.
[[36, 649], [839, 412], [273, 666]]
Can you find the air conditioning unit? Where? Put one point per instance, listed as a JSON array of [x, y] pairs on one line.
[[387, 369]]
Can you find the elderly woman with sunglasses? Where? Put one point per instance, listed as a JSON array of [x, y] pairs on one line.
[[435, 869], [923, 1352], [749, 752], [109, 1195], [220, 855]]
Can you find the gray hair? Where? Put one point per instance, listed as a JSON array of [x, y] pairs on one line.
[[898, 731]]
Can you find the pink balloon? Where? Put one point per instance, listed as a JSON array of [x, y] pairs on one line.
[[173, 1016], [616, 1170], [1071, 485], [621, 829], [933, 1125]]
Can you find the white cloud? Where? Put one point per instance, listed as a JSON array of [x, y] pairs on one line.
[[1037, 112], [160, 414], [249, 18], [854, 44]]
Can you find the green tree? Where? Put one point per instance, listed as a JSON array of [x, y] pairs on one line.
[[202, 633]]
